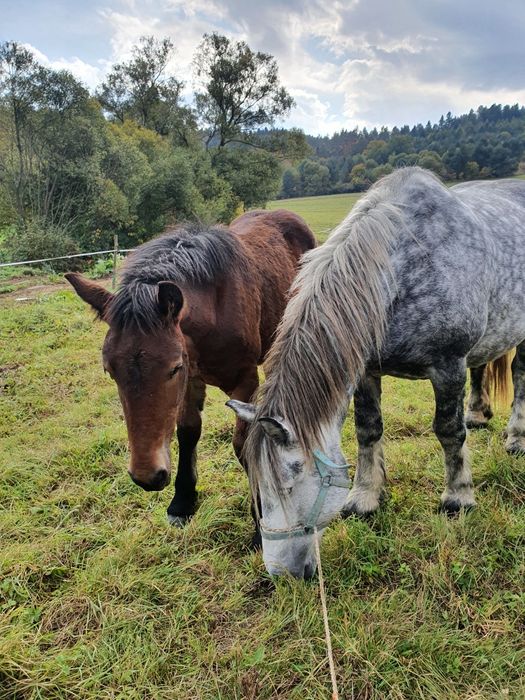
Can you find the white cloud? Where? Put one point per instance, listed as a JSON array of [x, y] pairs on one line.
[[347, 62], [89, 74]]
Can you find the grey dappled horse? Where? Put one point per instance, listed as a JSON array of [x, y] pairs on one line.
[[419, 281]]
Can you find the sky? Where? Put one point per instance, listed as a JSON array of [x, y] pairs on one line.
[[347, 63]]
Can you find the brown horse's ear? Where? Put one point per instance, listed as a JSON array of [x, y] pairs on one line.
[[171, 300], [92, 293]]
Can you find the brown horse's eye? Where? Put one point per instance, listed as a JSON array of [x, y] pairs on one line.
[[174, 371]]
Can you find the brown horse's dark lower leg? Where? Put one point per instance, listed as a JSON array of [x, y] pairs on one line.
[[184, 502], [479, 411], [244, 391]]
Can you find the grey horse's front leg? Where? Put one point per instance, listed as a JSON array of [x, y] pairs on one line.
[[516, 427], [479, 411], [448, 382], [369, 482]]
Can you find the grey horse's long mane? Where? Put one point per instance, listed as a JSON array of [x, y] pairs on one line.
[[334, 322], [191, 255]]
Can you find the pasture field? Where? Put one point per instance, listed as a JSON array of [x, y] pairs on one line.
[[321, 213], [101, 600]]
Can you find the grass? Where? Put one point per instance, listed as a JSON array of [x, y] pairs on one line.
[[321, 213], [101, 600]]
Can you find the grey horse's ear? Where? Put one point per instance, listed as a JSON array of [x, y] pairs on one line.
[[275, 430], [245, 411]]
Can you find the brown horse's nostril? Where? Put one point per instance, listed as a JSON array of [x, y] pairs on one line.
[[160, 479]]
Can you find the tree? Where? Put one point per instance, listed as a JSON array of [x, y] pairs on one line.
[[253, 175], [471, 171], [503, 159], [53, 125], [291, 186], [315, 177], [358, 177], [19, 90], [142, 90], [377, 150], [431, 161], [238, 89]]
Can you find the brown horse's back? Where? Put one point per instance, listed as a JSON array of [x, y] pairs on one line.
[[291, 226], [273, 242]]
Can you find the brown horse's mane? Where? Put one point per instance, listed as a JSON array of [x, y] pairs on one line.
[[191, 255]]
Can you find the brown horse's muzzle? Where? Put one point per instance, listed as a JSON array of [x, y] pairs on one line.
[[160, 479]]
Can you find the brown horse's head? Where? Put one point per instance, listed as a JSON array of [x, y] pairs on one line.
[[150, 368]]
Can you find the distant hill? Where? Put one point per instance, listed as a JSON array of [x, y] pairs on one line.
[[486, 143]]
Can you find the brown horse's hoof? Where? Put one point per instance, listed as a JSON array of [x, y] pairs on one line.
[[178, 520], [256, 541]]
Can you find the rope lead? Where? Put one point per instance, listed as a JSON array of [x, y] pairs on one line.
[[335, 692]]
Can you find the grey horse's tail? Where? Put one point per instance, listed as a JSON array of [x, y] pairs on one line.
[[498, 378]]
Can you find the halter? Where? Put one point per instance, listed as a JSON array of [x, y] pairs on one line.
[[312, 521]]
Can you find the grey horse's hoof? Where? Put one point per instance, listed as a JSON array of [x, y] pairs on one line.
[[476, 420], [515, 446], [476, 424], [453, 507], [363, 503]]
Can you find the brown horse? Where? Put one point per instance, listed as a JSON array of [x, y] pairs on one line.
[[195, 306]]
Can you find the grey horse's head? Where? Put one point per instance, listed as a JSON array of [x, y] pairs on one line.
[[289, 483]]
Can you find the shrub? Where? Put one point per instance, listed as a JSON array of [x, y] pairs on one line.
[[39, 241], [103, 267]]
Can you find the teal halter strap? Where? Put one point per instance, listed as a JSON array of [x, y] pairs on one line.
[[323, 464]]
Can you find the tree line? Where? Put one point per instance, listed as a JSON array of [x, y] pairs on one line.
[[489, 142], [132, 157]]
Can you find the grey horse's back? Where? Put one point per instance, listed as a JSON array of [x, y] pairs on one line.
[[458, 267], [489, 194]]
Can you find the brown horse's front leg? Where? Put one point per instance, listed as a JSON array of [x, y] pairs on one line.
[[244, 391], [184, 502]]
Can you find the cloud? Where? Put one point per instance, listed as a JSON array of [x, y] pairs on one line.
[[91, 75], [347, 62]]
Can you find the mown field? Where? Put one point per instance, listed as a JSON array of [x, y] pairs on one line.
[[100, 599]]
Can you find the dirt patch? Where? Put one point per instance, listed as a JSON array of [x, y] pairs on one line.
[[23, 293]]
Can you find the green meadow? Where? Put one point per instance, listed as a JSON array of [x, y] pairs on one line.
[[101, 600], [321, 213]]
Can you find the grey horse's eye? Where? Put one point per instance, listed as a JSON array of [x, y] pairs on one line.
[[286, 490], [295, 467]]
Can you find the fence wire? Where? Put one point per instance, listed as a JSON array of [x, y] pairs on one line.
[[67, 257]]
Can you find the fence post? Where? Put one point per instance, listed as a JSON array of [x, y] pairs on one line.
[[115, 255]]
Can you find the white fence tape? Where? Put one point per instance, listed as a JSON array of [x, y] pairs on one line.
[[67, 257]]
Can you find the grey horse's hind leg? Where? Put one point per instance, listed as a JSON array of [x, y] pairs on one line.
[[516, 427], [369, 481], [479, 411], [448, 382]]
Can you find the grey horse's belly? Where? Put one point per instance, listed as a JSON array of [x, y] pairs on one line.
[[505, 324], [498, 340]]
